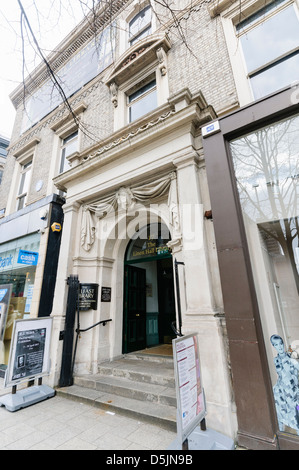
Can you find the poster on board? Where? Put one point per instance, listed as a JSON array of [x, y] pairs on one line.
[[29, 356], [5, 295], [189, 390]]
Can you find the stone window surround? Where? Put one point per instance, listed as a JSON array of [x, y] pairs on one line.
[[146, 57], [135, 8], [230, 15], [23, 155], [67, 126]]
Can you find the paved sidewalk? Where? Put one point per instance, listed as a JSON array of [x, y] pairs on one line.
[[62, 424]]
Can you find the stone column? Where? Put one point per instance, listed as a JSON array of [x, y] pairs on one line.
[[199, 298], [199, 314]]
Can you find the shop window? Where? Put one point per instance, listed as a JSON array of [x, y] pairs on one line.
[[24, 185], [140, 26], [18, 264], [69, 146], [142, 101], [267, 172], [270, 44]]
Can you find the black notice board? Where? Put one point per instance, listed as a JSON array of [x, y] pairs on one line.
[[106, 294], [88, 296]]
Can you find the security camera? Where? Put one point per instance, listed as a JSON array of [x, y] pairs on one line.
[[43, 214]]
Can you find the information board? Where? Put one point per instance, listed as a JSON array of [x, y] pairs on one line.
[[88, 296], [190, 394], [29, 356]]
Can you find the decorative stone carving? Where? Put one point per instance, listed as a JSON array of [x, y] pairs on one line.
[[161, 55], [114, 94], [125, 199]]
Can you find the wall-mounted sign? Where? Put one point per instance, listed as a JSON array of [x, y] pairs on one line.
[[150, 247], [29, 355], [106, 294], [210, 129], [5, 295], [88, 296], [189, 391], [56, 227], [29, 258]]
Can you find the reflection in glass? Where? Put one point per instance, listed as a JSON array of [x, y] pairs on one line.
[[263, 43], [286, 389], [270, 45], [266, 166]]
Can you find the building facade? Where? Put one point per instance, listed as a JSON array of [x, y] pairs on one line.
[[142, 163], [4, 143]]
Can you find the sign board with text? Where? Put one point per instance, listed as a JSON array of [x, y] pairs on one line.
[[88, 296], [29, 356], [190, 394]]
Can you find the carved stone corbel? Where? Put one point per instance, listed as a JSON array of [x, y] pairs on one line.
[[161, 55], [114, 93]]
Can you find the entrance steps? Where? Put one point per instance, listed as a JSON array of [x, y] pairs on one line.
[[138, 384]]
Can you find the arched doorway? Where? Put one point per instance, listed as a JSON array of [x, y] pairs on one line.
[[149, 301]]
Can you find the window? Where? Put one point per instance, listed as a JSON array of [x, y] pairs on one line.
[[1, 175], [142, 101], [69, 146], [24, 185], [140, 26], [267, 174], [270, 44]]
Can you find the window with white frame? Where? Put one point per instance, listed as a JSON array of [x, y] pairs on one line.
[[25, 177], [142, 99], [269, 40], [141, 25], [68, 147]]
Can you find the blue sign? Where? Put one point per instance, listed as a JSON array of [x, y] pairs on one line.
[[28, 257]]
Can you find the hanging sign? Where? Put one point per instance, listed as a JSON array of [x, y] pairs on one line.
[[189, 391], [5, 295], [29, 258], [29, 356], [88, 296]]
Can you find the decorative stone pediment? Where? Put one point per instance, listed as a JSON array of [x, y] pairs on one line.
[[137, 57]]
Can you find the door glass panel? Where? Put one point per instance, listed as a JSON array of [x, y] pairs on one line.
[[266, 166]]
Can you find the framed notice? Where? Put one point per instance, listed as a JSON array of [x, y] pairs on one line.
[[106, 294], [88, 296], [5, 295], [190, 394], [29, 356]]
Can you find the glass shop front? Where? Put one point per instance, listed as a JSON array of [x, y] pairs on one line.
[[18, 262], [253, 174], [266, 164]]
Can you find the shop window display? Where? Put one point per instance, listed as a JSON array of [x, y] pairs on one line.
[[267, 171], [18, 261]]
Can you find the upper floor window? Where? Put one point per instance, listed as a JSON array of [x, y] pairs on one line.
[[69, 146], [25, 177], [142, 100], [141, 25], [270, 45]]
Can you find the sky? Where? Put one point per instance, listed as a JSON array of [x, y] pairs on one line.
[[51, 21]]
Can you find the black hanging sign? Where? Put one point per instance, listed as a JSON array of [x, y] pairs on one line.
[[88, 296]]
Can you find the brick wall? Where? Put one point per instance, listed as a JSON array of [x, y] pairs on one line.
[[198, 59]]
